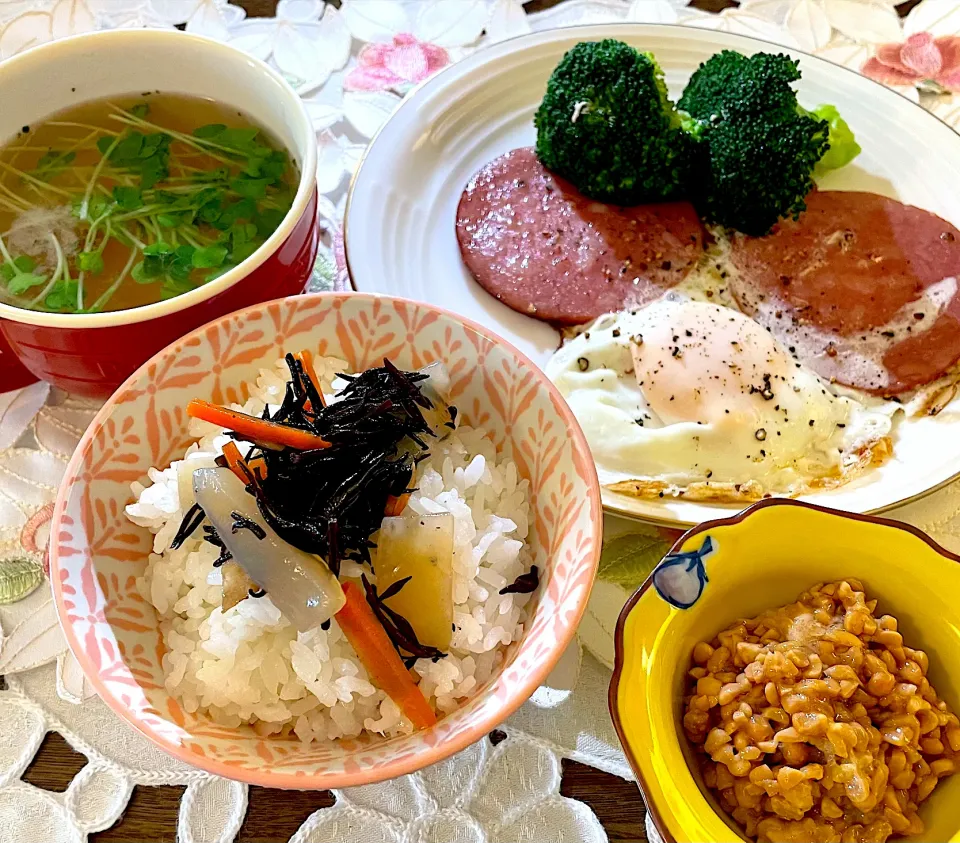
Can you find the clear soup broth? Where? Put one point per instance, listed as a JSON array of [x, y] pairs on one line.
[[120, 203]]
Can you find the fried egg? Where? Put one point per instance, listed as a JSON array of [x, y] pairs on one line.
[[684, 395]]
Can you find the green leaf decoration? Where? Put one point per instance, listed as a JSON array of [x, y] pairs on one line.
[[241, 140], [220, 270], [90, 262], [18, 578], [159, 248], [628, 560], [181, 264], [63, 295], [129, 148], [136, 152], [98, 207], [139, 274], [169, 220], [23, 281], [128, 198], [20, 276], [211, 130], [269, 221], [52, 163], [209, 256], [250, 188]]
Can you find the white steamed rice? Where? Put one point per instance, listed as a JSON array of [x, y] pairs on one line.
[[248, 665]]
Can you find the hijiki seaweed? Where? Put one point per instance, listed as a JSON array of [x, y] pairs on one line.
[[330, 501], [192, 520], [398, 627], [524, 584], [210, 536], [242, 523]]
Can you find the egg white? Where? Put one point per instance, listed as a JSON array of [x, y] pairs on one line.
[[687, 392]]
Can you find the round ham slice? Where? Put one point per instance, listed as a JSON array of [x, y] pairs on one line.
[[542, 248], [863, 289]]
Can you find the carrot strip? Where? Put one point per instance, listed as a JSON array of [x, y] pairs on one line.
[[396, 505], [261, 430], [306, 358], [258, 466], [381, 660], [235, 462]]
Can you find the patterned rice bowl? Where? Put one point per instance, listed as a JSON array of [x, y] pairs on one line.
[[97, 554]]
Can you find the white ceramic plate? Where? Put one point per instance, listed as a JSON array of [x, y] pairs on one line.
[[399, 225]]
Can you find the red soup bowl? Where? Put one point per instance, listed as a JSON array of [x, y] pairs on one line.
[[92, 354]]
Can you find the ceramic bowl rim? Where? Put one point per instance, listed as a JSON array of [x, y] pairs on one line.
[[61, 50], [442, 749], [705, 526]]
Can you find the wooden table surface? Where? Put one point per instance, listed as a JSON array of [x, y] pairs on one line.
[[275, 815]]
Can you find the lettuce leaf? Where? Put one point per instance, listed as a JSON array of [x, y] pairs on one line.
[[843, 145]]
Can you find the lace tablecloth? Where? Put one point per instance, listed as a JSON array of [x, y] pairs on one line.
[[352, 66]]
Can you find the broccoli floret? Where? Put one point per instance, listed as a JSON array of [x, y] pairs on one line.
[[730, 80], [607, 125], [758, 146]]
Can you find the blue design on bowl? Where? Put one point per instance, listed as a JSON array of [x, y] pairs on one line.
[[680, 577]]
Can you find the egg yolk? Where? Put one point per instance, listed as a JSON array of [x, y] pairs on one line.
[[698, 362]]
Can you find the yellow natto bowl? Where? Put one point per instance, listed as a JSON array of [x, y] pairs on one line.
[[737, 567]]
